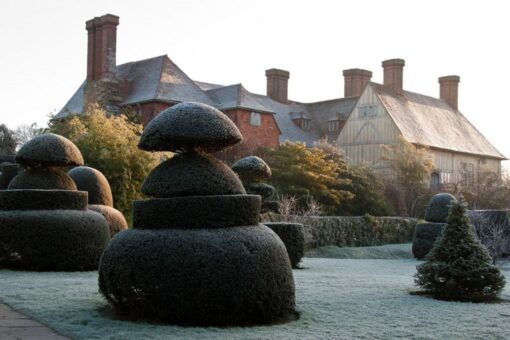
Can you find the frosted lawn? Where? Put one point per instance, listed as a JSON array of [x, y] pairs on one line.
[[337, 298]]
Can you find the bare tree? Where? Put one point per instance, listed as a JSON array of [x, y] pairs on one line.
[[493, 234], [23, 133]]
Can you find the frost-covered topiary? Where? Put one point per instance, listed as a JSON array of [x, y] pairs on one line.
[[424, 237], [196, 254], [293, 236], [44, 220], [100, 196], [458, 267], [438, 207]]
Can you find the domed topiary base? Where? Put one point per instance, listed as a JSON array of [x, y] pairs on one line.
[[217, 277], [425, 235], [116, 221], [293, 236], [52, 240], [48, 179]]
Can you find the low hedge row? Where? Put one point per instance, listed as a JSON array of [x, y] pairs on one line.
[[352, 231]]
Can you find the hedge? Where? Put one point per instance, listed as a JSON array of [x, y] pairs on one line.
[[352, 231]]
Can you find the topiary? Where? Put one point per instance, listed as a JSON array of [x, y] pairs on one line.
[[438, 206], [424, 237], [458, 267], [293, 236]]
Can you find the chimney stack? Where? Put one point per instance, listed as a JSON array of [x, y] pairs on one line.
[[102, 45], [355, 80], [394, 74], [277, 84], [449, 90]]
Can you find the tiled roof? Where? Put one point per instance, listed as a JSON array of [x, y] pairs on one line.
[[335, 109], [235, 96], [151, 79], [431, 121]]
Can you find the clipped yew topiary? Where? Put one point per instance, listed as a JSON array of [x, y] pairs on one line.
[[196, 254], [7, 172], [426, 233], [100, 196], [44, 220], [458, 267], [293, 236]]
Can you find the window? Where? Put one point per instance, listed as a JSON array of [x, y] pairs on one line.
[[305, 124], [255, 118], [367, 111], [333, 125]]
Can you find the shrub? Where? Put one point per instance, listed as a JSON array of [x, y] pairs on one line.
[[492, 229], [458, 267], [424, 237], [293, 236], [109, 144], [438, 207]]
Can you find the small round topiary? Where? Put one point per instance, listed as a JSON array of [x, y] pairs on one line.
[[92, 181], [438, 206], [42, 178], [458, 267], [116, 221], [262, 189], [293, 236], [206, 176], [190, 126], [49, 150], [252, 169], [424, 237]]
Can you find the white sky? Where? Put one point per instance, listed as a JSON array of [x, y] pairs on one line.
[[43, 48]]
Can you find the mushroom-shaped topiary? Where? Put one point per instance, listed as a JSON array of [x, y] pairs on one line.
[[425, 234], [100, 196], [293, 236], [252, 170], [7, 172], [177, 263], [44, 222], [458, 267]]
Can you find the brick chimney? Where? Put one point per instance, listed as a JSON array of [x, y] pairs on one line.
[[449, 90], [102, 45], [394, 74], [355, 80], [277, 84], [102, 87]]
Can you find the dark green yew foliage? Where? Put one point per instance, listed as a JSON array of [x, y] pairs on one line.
[[458, 267]]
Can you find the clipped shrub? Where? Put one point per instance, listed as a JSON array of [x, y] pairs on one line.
[[458, 267], [7, 172], [424, 237], [438, 206], [293, 236]]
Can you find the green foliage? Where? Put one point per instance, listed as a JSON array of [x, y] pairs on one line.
[[322, 173], [109, 144], [7, 141], [302, 172], [458, 267]]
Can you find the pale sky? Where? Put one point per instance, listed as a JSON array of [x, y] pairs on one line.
[[43, 47]]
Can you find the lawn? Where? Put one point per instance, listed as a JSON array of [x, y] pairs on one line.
[[337, 298]]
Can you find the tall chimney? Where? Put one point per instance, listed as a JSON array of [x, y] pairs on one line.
[[394, 74], [277, 84], [102, 44], [355, 80], [449, 90]]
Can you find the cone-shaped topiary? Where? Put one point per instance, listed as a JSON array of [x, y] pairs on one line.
[[458, 267]]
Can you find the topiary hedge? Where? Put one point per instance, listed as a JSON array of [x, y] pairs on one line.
[[352, 231], [293, 236], [424, 237]]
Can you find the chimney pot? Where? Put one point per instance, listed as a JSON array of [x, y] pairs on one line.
[[449, 90], [355, 80], [277, 84], [394, 74]]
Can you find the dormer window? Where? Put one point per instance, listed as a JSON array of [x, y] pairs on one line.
[[333, 125], [255, 119], [305, 124]]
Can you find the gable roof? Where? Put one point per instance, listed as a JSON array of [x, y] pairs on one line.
[[236, 96], [156, 78], [335, 109], [432, 122]]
